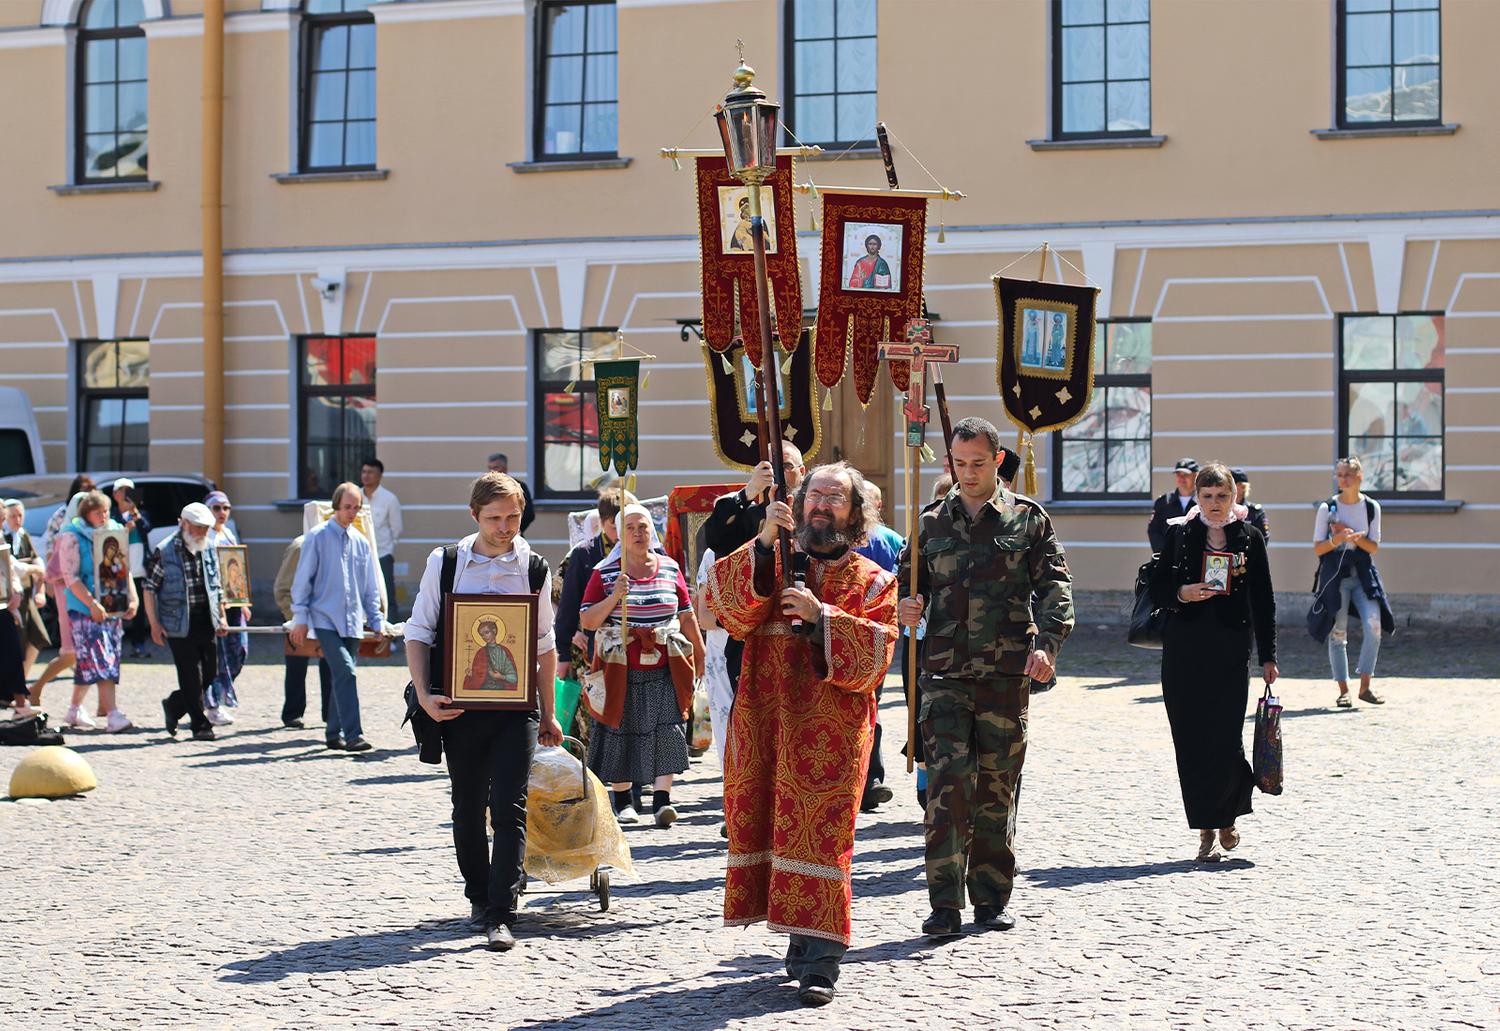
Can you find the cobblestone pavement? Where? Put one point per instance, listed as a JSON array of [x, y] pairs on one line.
[[262, 881]]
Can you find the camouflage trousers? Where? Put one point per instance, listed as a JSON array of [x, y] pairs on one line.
[[974, 733]]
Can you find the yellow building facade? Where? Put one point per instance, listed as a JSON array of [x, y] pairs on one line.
[[1295, 228]]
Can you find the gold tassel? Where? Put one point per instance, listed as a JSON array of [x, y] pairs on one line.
[[812, 210], [1030, 468], [724, 359], [676, 165], [630, 483], [827, 400], [569, 388], [927, 454], [645, 380], [786, 366], [942, 236]]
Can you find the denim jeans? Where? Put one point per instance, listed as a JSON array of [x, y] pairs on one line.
[[806, 956], [343, 709], [295, 686], [1338, 639]]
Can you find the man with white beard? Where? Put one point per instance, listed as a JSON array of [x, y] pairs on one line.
[[185, 607]]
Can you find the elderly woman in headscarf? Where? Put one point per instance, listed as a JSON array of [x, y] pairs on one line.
[[96, 633], [65, 657], [648, 665]]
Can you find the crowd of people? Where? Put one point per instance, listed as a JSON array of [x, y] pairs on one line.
[[792, 658]]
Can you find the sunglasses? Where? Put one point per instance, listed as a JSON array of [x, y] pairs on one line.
[[221, 508]]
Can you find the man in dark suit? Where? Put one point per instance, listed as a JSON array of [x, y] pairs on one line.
[[499, 463], [1172, 504], [1257, 516], [737, 517]]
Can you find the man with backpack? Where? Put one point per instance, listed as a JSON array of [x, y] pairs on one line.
[[489, 752]]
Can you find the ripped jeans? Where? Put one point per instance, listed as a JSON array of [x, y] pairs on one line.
[[1338, 639]]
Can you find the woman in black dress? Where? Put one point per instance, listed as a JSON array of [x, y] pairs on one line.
[[1205, 654]]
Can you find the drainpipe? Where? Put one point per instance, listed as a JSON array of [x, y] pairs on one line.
[[213, 241]]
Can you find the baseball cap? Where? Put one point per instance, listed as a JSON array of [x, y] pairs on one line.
[[198, 514], [1240, 476], [1185, 464], [124, 483], [217, 497]]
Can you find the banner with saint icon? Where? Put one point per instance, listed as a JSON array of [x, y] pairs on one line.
[[1045, 361], [733, 414], [617, 387], [871, 283], [730, 314]]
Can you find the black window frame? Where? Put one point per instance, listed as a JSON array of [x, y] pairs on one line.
[[87, 394], [789, 110], [311, 28], [1341, 80], [306, 390], [585, 390], [1058, 132], [80, 107], [539, 99], [1391, 375], [1103, 380]]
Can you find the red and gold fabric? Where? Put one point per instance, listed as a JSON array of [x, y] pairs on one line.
[[799, 740], [688, 508]]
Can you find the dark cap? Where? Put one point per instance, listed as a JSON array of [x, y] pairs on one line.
[[1010, 464], [1240, 476], [1185, 464]]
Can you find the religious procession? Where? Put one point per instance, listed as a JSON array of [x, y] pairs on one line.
[[834, 502]]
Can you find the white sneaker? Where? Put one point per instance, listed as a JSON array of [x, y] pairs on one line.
[[216, 717], [628, 815], [117, 722], [227, 715], [78, 718]]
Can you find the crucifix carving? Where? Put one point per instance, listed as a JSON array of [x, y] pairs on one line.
[[918, 349]]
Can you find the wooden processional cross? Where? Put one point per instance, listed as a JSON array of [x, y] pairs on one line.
[[919, 350]]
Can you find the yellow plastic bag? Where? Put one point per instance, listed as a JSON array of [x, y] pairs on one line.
[[570, 826]]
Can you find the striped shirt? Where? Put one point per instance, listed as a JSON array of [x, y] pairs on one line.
[[651, 601]]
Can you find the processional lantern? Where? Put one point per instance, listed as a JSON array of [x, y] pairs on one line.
[[748, 125]]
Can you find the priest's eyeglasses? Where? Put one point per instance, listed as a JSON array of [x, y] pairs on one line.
[[833, 498]]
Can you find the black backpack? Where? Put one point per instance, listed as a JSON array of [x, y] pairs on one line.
[[31, 730]]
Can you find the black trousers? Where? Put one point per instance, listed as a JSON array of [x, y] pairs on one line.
[[294, 684], [138, 630], [489, 763], [197, 659]]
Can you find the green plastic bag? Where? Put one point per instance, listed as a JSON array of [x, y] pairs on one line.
[[566, 694]]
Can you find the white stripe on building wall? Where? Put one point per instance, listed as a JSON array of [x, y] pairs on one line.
[[1280, 356], [1216, 395], [457, 299], [383, 371], [1157, 434], [451, 333]]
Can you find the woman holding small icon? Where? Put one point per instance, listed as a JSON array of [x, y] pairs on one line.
[[1214, 580]]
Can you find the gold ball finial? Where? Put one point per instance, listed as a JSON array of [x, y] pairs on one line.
[[744, 74]]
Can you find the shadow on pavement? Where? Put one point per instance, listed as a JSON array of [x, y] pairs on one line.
[[399, 778], [356, 952], [1070, 876], [692, 1009]]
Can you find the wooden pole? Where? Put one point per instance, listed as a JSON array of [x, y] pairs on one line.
[[211, 200], [768, 364], [913, 533], [1041, 274]]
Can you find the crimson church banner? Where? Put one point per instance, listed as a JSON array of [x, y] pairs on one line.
[[730, 312], [871, 283]]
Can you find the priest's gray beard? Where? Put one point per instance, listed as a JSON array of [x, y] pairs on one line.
[[824, 541], [194, 545]]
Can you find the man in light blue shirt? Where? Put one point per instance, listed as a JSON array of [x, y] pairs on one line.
[[336, 595]]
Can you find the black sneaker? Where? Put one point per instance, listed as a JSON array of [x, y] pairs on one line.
[[206, 734], [171, 721], [293, 724], [993, 918], [943, 923], [359, 744]]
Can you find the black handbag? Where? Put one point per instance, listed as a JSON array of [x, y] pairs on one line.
[[1147, 622]]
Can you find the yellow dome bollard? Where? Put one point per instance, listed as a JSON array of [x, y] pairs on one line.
[[52, 771]]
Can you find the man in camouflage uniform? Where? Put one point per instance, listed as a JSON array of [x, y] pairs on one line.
[[984, 552]]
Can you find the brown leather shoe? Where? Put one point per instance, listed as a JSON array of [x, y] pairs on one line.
[[1208, 851], [1229, 838]]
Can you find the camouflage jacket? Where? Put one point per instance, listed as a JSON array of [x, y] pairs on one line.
[[980, 578]]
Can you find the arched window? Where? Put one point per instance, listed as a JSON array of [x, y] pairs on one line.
[[111, 105], [338, 85]]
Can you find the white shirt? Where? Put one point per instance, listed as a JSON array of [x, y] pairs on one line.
[[385, 510], [1353, 516], [476, 574]]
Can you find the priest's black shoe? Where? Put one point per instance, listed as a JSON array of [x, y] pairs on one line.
[[816, 991], [993, 918], [477, 912], [943, 923]]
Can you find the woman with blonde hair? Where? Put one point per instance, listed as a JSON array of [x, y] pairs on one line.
[[96, 634], [1205, 654]]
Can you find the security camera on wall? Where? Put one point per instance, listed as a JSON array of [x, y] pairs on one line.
[[327, 287]]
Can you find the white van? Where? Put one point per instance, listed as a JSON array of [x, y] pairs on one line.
[[20, 441]]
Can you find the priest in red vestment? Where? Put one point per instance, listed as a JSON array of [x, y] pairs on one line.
[[799, 737]]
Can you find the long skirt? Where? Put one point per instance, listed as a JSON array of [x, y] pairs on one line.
[[12, 664], [651, 740], [1205, 683], [232, 650], [98, 649]]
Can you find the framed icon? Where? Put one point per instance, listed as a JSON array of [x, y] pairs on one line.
[[734, 219], [872, 257], [489, 650], [1216, 567], [618, 399], [234, 574], [112, 569]]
